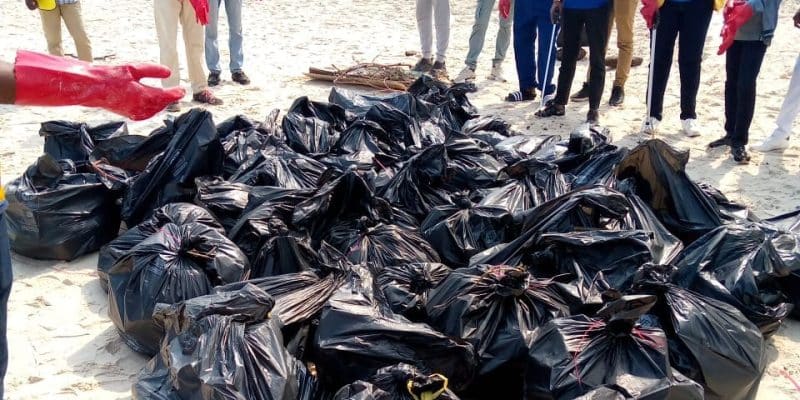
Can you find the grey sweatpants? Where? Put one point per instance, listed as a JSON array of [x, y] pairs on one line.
[[430, 13]]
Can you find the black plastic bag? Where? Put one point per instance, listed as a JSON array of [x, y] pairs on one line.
[[336, 116], [488, 124], [132, 152], [194, 151], [355, 338], [366, 142], [398, 382], [364, 241], [662, 182], [360, 104], [521, 147], [569, 357], [416, 187], [490, 307], [285, 253], [240, 146], [223, 346], [175, 213], [75, 141], [664, 246], [308, 135], [405, 287], [739, 265], [710, 342], [237, 123], [470, 164], [56, 213], [529, 184], [280, 167], [229, 201], [398, 125], [599, 168], [176, 263], [459, 231]]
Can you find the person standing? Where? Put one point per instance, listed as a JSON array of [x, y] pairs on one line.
[[574, 16], [779, 139], [41, 80], [623, 14], [748, 30], [432, 13], [233, 9], [687, 21], [52, 13], [483, 13], [532, 19], [190, 14]]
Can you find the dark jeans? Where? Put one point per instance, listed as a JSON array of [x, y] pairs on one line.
[[596, 23], [742, 64], [689, 20], [5, 290]]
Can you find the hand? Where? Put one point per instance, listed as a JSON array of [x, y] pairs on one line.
[[555, 12], [504, 8], [32, 4], [735, 16], [797, 19], [649, 11], [44, 80]]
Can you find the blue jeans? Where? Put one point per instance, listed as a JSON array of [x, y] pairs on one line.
[[483, 13], [5, 290], [233, 8], [529, 22]]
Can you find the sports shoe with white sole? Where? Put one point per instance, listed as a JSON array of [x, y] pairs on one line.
[[773, 143], [497, 73], [650, 126], [690, 128], [466, 74]]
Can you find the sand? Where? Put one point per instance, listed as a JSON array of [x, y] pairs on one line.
[[62, 343]]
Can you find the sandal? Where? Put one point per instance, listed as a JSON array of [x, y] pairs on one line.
[[528, 95], [550, 110]]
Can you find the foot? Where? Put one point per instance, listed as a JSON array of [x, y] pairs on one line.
[[690, 127], [723, 141], [617, 96], [240, 77], [524, 95], [650, 126], [592, 117], [466, 74], [213, 78], [773, 143], [740, 155], [206, 97], [551, 110], [583, 94], [497, 73], [423, 65], [173, 107]]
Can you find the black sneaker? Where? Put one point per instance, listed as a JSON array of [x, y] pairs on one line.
[[593, 117], [583, 94], [423, 65], [617, 96], [740, 155], [240, 77], [213, 78], [439, 67]]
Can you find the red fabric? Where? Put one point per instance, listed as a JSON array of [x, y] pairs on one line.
[[735, 15], [201, 10], [649, 11], [45, 80], [504, 8]]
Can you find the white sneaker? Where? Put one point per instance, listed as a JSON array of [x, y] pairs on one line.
[[690, 128], [466, 74], [650, 126], [497, 73], [776, 141]]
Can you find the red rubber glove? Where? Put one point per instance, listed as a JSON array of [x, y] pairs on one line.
[[505, 8], [200, 10], [44, 80], [735, 16], [649, 11]]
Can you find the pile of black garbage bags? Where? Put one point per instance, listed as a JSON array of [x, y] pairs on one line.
[[404, 247]]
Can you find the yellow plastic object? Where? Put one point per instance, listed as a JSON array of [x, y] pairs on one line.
[[427, 395], [2, 193], [719, 4], [47, 5]]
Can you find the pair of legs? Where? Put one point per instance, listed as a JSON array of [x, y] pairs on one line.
[[483, 13], [233, 9], [51, 24], [430, 13], [573, 21], [779, 139], [168, 14], [532, 66]]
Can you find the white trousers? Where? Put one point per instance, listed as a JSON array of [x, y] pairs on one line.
[[791, 105]]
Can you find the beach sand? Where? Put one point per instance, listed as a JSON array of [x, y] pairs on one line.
[[62, 344]]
